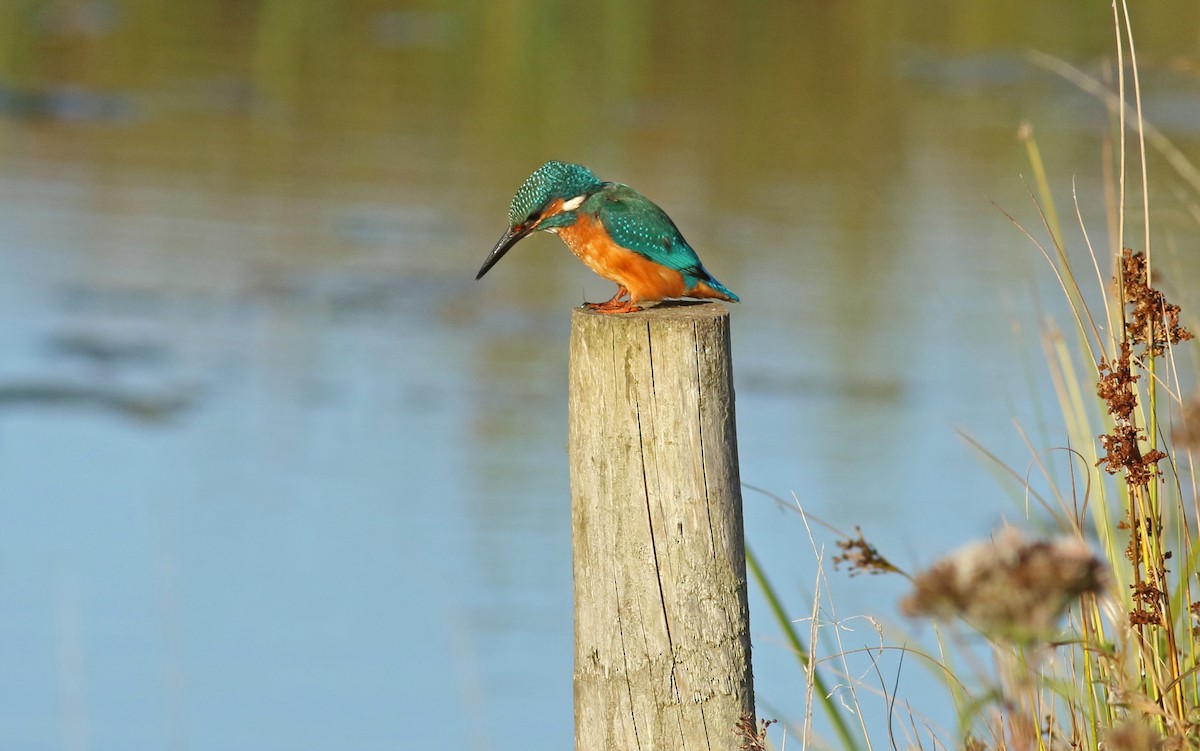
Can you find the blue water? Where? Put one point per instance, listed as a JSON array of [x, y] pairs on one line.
[[276, 473]]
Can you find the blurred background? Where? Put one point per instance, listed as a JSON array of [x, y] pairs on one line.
[[276, 473]]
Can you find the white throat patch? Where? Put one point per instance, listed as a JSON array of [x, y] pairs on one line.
[[573, 203]]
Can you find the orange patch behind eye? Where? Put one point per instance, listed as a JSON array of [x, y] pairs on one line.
[[553, 208]]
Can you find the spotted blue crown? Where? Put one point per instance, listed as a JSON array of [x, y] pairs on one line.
[[550, 181]]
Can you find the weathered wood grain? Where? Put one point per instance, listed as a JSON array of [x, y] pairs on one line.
[[662, 642]]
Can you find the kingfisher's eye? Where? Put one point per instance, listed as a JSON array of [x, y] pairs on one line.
[[533, 217]]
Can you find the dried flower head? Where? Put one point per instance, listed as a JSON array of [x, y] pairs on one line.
[[752, 737], [1122, 447], [1131, 735], [861, 556], [1151, 320], [1008, 586]]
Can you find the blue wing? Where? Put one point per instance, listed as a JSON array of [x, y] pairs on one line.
[[635, 222]]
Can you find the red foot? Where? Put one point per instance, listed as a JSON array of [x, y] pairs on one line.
[[623, 307], [615, 304]]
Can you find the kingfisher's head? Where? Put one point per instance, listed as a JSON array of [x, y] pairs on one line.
[[547, 200]]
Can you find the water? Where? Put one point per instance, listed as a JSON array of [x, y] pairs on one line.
[[276, 473]]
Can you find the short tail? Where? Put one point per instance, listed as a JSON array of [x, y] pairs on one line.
[[712, 288]]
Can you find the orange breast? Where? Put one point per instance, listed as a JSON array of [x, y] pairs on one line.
[[646, 280]]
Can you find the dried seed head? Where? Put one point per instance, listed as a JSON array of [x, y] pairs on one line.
[[1132, 735], [753, 738], [1008, 586], [1151, 320], [861, 556]]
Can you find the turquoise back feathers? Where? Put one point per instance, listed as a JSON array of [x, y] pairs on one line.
[[637, 223]]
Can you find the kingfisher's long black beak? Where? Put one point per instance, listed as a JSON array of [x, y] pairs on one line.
[[509, 239]]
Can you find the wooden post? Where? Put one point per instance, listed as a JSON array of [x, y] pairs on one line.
[[662, 639]]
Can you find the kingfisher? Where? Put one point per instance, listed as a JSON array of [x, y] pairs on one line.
[[615, 230]]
